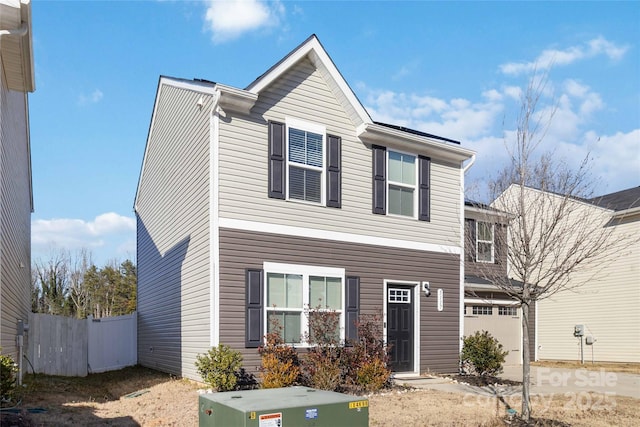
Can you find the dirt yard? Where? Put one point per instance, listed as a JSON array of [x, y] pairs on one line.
[[142, 397]]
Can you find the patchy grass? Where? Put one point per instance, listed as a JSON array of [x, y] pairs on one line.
[[626, 368], [143, 397]]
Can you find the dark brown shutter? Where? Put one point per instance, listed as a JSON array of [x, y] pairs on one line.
[[424, 188], [379, 180], [254, 299], [334, 173], [352, 308], [499, 243], [277, 171], [470, 243]]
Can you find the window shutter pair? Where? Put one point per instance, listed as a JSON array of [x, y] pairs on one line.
[[254, 295], [380, 183], [470, 246], [277, 165]]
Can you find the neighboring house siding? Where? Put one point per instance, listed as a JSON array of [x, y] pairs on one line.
[[485, 269], [15, 216], [172, 209], [303, 93], [372, 264], [607, 305]]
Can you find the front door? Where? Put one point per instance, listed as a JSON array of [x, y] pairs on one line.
[[400, 327]]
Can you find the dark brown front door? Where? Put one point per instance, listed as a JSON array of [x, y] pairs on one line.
[[400, 327]]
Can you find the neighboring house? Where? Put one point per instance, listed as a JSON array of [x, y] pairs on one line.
[[486, 306], [16, 200], [265, 203], [607, 305]]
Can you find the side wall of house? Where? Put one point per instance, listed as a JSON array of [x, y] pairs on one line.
[[439, 339], [173, 237], [607, 306], [15, 216], [303, 93]]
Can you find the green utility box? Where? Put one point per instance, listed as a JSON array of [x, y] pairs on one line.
[[282, 407]]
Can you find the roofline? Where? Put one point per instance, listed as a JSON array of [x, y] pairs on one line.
[[310, 47], [625, 212], [391, 137]]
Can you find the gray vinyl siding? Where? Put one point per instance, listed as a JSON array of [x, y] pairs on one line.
[[303, 93], [439, 331], [484, 269], [15, 217], [173, 238]]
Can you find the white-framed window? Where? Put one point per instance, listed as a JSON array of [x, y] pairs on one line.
[[402, 172], [507, 310], [482, 310], [484, 242], [305, 144], [295, 293]]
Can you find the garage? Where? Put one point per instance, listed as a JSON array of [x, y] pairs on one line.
[[501, 319]]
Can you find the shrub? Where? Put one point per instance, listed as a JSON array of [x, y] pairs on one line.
[[367, 359], [220, 368], [322, 366], [372, 375], [280, 362], [483, 354], [8, 371]]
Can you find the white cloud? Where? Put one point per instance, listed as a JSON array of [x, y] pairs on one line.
[[229, 19], [108, 233], [561, 57], [458, 118], [92, 98]]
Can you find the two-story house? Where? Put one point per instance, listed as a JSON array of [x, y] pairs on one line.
[[16, 196], [264, 204], [603, 295], [487, 307]]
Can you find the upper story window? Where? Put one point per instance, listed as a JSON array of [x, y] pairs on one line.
[[484, 242], [401, 183], [306, 166], [305, 163]]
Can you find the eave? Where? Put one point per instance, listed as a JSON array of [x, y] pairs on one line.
[[16, 45], [234, 99], [373, 133]]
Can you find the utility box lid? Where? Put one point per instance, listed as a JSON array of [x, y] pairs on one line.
[[282, 407]]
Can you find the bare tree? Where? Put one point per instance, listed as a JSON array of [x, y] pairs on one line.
[[554, 231], [79, 292]]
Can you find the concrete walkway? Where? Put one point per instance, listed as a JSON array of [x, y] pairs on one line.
[[580, 384]]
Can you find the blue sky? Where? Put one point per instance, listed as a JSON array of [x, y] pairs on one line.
[[453, 69]]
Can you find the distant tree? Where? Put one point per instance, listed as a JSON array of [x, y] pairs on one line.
[[78, 292], [52, 278], [552, 237], [72, 285]]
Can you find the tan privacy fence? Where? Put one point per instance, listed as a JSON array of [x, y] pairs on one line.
[[59, 345]]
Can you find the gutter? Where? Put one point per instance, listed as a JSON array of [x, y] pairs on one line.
[[468, 165]]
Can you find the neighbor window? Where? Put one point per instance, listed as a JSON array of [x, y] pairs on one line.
[[482, 310], [305, 161], [295, 294], [507, 311], [401, 184], [484, 242]]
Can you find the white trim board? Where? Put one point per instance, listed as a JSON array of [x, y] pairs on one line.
[[287, 230]]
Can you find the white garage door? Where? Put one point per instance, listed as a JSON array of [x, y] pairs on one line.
[[501, 321]]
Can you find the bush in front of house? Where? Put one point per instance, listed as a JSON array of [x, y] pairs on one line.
[[482, 354], [220, 367], [368, 358], [361, 366], [8, 371], [280, 362]]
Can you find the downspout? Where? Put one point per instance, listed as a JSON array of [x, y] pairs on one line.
[[214, 220], [21, 31], [465, 168]]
